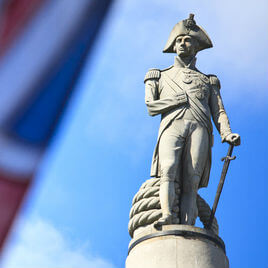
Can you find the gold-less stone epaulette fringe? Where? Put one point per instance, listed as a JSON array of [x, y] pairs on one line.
[[214, 81], [152, 74]]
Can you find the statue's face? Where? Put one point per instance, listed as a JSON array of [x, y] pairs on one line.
[[185, 46]]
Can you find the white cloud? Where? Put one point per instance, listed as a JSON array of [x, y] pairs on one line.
[[41, 245], [238, 30]]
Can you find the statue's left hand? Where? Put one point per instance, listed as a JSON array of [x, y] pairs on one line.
[[233, 138]]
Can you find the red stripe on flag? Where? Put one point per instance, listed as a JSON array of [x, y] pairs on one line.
[[13, 17], [11, 195]]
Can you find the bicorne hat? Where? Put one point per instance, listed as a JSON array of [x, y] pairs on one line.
[[188, 27]]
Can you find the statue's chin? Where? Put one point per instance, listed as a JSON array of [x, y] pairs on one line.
[[182, 54]]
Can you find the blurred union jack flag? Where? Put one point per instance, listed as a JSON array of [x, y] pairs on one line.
[[43, 45]]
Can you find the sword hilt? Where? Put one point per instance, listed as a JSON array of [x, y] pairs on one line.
[[228, 158]]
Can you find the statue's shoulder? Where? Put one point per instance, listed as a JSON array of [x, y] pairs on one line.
[[214, 80], [152, 74], [155, 74]]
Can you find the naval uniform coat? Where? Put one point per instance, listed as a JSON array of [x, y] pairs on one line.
[[178, 89]]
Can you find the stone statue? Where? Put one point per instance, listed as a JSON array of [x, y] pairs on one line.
[[186, 99], [166, 206]]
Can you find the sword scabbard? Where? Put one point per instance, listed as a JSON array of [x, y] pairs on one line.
[[226, 160]]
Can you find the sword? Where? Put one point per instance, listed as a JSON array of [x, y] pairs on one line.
[[227, 161]]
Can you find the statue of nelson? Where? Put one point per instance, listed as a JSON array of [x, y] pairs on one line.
[[186, 100]]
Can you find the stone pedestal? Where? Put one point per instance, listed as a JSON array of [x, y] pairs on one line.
[[176, 246]]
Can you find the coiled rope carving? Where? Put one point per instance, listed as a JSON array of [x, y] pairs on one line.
[[146, 207]]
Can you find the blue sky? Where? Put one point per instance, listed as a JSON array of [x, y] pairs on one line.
[[77, 212]]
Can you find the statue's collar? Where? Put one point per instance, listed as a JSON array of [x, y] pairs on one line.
[[180, 64]]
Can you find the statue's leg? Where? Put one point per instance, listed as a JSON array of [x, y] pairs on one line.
[[170, 151], [167, 197], [195, 157]]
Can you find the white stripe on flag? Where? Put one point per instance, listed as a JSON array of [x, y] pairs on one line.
[[26, 61], [17, 158]]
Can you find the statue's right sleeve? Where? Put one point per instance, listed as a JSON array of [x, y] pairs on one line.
[[156, 105]]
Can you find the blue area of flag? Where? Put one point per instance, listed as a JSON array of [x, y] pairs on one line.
[[39, 118]]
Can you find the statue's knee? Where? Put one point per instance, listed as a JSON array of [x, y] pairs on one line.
[[191, 184]]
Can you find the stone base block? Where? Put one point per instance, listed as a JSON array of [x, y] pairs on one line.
[[176, 246]]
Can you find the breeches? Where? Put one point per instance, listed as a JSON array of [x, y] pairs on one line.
[[183, 152]]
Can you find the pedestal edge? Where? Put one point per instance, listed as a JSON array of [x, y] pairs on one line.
[[194, 233]]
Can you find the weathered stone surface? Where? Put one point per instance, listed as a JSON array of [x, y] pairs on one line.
[[171, 251]]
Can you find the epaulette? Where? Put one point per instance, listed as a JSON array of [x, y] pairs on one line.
[[152, 74], [214, 81]]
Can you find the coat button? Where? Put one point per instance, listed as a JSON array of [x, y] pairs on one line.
[[187, 79]]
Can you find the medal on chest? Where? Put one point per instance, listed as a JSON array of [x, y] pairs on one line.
[[194, 81]]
